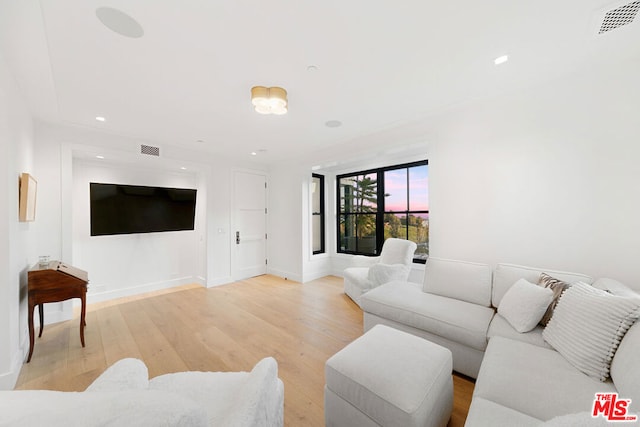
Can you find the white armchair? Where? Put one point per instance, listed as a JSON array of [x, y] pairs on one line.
[[366, 273]]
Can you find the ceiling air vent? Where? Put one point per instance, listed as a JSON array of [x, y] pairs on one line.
[[619, 16], [150, 150]]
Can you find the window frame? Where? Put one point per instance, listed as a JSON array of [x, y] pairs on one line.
[[322, 216], [380, 206]]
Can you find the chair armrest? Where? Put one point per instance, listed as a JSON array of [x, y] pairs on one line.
[[364, 261], [380, 274]]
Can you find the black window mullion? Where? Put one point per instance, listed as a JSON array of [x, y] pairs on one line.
[[380, 212], [406, 215]]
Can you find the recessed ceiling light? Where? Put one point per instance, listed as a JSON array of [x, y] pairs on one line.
[[119, 22], [333, 124], [100, 119], [183, 168], [501, 59], [99, 157], [253, 153]]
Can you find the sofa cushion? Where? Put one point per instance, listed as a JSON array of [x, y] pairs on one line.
[[499, 327], [536, 381], [625, 367], [465, 281], [524, 304], [485, 413], [406, 303], [588, 325], [505, 275], [578, 419]]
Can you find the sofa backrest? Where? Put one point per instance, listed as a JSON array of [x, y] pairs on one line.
[[397, 251], [505, 275], [466, 281]]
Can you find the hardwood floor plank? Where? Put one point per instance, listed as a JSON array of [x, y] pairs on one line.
[[225, 328], [117, 340]]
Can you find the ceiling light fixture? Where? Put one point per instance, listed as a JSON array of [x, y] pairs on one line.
[[100, 119], [501, 59], [269, 100], [99, 157]]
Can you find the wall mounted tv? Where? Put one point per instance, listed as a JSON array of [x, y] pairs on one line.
[[128, 209]]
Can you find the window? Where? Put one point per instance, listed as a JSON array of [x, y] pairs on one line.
[[317, 213], [387, 202]]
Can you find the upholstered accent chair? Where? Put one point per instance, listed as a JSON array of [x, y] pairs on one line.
[[366, 273]]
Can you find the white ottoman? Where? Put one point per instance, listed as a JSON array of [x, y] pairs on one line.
[[388, 378]]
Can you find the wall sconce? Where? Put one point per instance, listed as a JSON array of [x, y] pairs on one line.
[[269, 100]]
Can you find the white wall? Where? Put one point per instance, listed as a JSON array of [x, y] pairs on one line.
[[122, 264], [17, 239], [547, 177], [284, 226]]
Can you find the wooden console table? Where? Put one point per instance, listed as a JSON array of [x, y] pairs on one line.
[[55, 282]]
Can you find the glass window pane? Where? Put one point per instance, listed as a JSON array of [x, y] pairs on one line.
[[317, 214], [348, 194], [348, 233], [366, 193], [395, 225], [315, 195], [418, 228], [317, 232], [395, 189], [366, 234], [418, 188]]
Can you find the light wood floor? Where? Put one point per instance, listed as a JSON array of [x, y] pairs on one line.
[[226, 328]]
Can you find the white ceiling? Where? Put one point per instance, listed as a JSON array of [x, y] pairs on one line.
[[381, 65]]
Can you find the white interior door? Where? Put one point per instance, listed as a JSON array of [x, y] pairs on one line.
[[250, 219]]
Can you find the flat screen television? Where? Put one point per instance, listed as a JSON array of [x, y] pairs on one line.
[[128, 209]]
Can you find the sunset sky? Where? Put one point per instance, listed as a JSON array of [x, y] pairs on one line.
[[396, 186]]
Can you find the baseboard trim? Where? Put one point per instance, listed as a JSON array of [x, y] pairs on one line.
[[285, 274], [316, 275], [9, 379], [140, 289], [219, 281]]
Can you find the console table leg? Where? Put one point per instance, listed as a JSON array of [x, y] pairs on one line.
[[83, 313], [30, 316], [41, 316]]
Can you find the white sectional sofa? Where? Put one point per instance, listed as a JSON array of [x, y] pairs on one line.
[[521, 379]]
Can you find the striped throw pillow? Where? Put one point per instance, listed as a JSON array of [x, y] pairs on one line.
[[588, 325], [557, 286]]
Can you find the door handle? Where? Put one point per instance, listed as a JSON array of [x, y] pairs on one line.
[[237, 237]]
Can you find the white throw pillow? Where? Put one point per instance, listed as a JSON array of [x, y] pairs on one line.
[[524, 304], [588, 325]]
